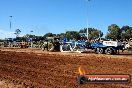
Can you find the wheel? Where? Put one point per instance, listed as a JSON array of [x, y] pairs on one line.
[[51, 47], [65, 48], [81, 79], [77, 48], [57, 46], [109, 51], [99, 51]]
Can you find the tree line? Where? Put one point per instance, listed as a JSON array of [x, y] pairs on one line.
[[117, 33], [114, 33]]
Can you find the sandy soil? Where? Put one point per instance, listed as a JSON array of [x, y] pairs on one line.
[[33, 68]]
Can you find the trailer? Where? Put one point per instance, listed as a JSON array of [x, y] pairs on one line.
[[107, 47]]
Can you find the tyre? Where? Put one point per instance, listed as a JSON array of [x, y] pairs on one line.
[[57, 46], [109, 51], [50, 47], [65, 48], [99, 51], [77, 48]]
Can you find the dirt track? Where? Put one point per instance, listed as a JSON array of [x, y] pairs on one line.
[[34, 68]]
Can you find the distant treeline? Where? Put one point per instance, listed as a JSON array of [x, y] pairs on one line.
[[114, 32]]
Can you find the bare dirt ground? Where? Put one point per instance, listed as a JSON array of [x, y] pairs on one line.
[[33, 68]]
